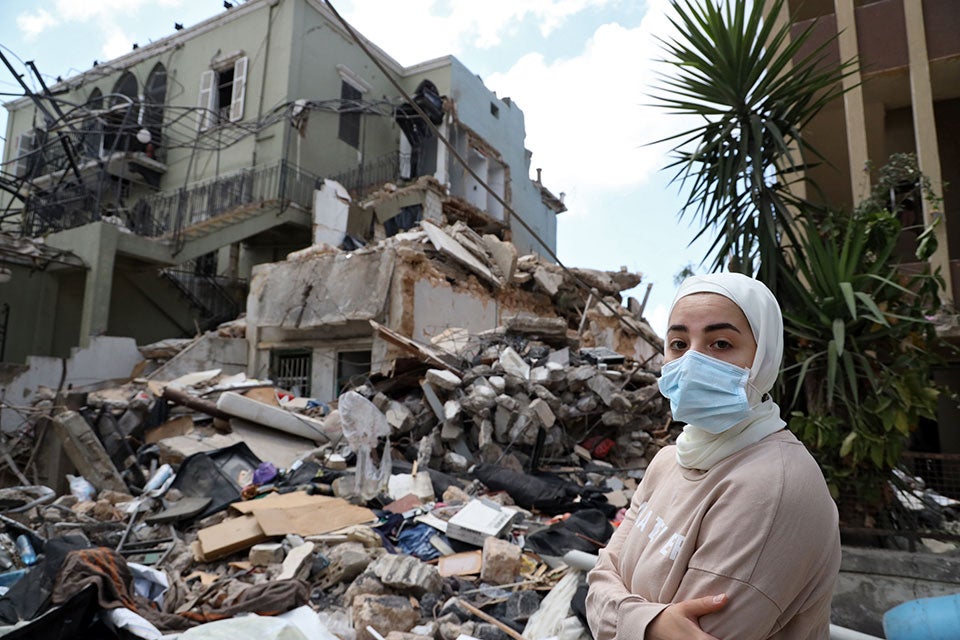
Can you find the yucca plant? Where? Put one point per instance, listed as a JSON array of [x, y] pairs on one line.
[[745, 78], [860, 350]]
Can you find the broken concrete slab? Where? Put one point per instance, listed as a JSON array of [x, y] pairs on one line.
[[87, 453], [549, 281], [450, 247], [239, 406], [383, 614], [443, 379], [406, 574], [296, 566], [501, 561], [503, 254]]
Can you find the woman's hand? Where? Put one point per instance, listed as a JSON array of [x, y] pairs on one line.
[[681, 620]]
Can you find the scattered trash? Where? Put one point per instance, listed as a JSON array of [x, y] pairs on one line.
[[461, 491]]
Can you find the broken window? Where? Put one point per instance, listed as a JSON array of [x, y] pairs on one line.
[[291, 369], [92, 145], [350, 108], [221, 94], [123, 112], [353, 369], [418, 145], [493, 173], [151, 114], [206, 265], [26, 159]]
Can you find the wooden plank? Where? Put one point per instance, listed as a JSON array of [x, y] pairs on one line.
[[281, 501], [230, 536], [311, 520]]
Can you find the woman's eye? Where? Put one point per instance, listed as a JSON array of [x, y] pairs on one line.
[[677, 345], [722, 344]]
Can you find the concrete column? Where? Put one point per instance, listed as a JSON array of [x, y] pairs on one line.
[[853, 110], [96, 245], [925, 135]]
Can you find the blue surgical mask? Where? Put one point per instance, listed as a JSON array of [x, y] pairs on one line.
[[705, 392]]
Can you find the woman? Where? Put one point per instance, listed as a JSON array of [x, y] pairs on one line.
[[732, 533]]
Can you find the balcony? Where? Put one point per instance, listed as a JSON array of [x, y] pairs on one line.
[[166, 214]]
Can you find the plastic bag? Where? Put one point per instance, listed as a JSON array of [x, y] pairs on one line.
[[246, 626], [81, 488], [363, 425]]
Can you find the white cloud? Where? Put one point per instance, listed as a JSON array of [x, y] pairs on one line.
[[116, 42], [587, 118], [85, 10], [33, 24], [417, 30]]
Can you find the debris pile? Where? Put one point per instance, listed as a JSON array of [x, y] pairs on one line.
[[440, 501], [461, 490]]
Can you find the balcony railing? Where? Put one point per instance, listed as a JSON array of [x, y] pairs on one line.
[[283, 183], [169, 213], [371, 176]]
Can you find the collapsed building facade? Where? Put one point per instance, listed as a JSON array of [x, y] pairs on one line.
[[168, 173]]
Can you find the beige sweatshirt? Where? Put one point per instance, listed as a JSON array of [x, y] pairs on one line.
[[759, 526]]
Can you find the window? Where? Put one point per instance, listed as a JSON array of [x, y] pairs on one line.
[[25, 161], [93, 127], [290, 369], [151, 114], [350, 114], [494, 110], [353, 369], [123, 111], [221, 94]]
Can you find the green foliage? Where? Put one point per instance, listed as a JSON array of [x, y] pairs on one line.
[[860, 346], [752, 88], [860, 349]]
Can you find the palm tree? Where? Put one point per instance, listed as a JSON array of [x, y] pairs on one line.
[[753, 86]]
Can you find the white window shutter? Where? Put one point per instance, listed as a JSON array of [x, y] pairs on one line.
[[207, 100], [25, 144], [239, 89]]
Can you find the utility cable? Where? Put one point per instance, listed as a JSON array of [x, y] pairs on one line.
[[453, 151]]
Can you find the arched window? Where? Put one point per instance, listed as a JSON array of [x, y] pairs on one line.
[[123, 115], [93, 125], [154, 96]]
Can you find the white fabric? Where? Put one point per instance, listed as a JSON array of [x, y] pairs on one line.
[[698, 449]]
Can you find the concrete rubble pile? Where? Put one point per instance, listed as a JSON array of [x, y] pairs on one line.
[[461, 492]]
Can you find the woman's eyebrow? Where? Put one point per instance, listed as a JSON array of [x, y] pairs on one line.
[[678, 327], [720, 326]]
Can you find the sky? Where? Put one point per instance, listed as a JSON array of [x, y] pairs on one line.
[[582, 72]]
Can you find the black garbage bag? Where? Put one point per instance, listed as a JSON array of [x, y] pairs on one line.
[[545, 493], [557, 539], [71, 620], [440, 480]]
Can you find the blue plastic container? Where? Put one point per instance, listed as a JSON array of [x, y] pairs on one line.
[[924, 619]]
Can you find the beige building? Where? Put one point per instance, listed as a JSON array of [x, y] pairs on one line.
[[905, 99], [171, 171]]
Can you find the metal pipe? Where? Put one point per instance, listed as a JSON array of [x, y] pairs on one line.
[[842, 633]]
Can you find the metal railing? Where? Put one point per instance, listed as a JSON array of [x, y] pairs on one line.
[[283, 183], [368, 177], [922, 502], [218, 298], [169, 213]]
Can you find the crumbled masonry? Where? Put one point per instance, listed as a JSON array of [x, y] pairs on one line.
[[204, 488]]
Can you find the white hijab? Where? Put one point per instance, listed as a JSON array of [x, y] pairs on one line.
[[698, 449]]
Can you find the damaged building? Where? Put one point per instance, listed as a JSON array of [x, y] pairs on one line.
[[170, 172], [352, 386]]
